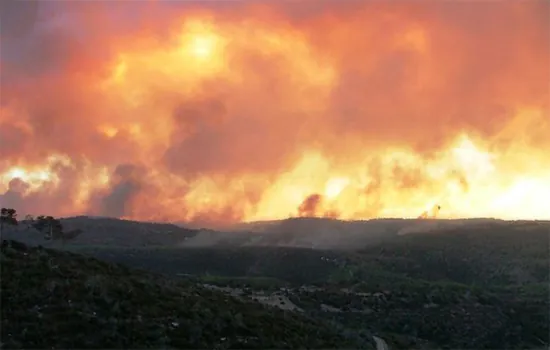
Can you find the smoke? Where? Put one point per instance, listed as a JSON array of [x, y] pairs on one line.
[[221, 112], [125, 185], [310, 205]]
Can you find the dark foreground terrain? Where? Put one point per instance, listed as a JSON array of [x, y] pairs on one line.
[[53, 299], [484, 284]]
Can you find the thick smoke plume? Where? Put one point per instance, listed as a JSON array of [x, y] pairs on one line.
[[221, 112]]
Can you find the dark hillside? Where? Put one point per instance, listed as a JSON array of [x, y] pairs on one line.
[[484, 255], [53, 299], [295, 265], [108, 232], [433, 284]]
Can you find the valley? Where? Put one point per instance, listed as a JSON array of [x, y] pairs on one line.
[[395, 284]]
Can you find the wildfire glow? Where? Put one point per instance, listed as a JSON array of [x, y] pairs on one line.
[[202, 46], [264, 111], [34, 179], [334, 187]]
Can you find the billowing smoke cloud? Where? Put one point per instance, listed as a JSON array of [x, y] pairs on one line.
[[125, 186], [220, 112]]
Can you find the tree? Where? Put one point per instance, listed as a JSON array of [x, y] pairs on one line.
[[8, 216], [50, 226], [53, 229], [28, 221]]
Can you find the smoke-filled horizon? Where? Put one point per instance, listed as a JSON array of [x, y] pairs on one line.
[[221, 112]]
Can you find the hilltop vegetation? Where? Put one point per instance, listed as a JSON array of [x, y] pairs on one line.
[[480, 285], [486, 286], [105, 232], [484, 255]]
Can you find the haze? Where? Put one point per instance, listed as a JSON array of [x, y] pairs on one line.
[[221, 112]]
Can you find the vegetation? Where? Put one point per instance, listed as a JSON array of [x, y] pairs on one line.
[[53, 299], [50, 227], [109, 232], [255, 283], [483, 286], [447, 315], [8, 216], [296, 266], [53, 229]]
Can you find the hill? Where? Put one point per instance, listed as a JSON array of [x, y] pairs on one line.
[[427, 284], [484, 285], [310, 233], [53, 299], [101, 231]]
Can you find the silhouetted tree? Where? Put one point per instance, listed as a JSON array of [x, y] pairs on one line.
[[8, 216], [47, 225], [53, 229], [28, 221]]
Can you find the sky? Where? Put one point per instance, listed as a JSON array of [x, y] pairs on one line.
[[219, 112]]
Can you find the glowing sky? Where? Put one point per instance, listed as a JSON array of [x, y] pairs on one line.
[[220, 112]]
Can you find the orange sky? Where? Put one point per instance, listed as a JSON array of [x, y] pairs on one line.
[[233, 111]]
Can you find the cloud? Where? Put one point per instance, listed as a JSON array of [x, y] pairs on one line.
[[241, 111]]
